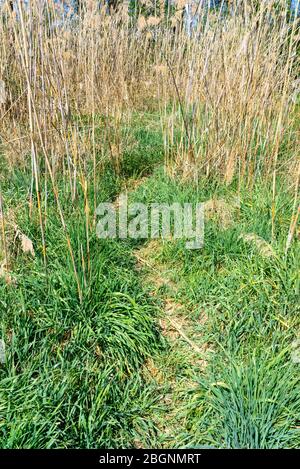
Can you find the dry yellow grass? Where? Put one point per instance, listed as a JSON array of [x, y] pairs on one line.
[[226, 94], [234, 76]]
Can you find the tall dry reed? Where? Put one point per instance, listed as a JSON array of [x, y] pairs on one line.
[[226, 92]]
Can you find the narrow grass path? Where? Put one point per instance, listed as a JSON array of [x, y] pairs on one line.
[[175, 369], [172, 371]]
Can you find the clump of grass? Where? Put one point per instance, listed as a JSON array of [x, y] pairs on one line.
[[248, 405], [71, 376]]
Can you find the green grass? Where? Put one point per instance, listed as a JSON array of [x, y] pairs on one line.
[[74, 372], [71, 375], [250, 403], [248, 396]]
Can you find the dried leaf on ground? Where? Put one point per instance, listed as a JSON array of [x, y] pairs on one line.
[[2, 92], [26, 244], [2, 351], [5, 274]]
